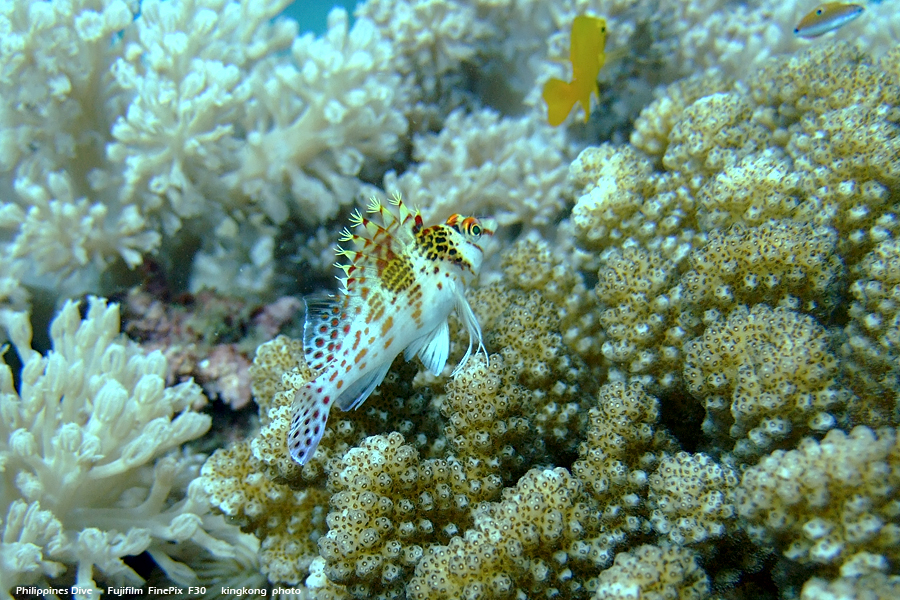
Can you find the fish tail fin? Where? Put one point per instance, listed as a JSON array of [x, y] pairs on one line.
[[308, 417], [560, 98]]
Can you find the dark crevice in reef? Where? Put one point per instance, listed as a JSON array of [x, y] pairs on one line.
[[736, 574], [682, 415], [142, 564]]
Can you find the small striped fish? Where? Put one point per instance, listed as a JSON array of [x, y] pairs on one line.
[[827, 17], [401, 282]]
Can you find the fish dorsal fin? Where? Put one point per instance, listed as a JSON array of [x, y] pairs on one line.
[[370, 246], [357, 392], [433, 348], [326, 324]]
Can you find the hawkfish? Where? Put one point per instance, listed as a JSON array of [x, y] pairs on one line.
[[401, 280]]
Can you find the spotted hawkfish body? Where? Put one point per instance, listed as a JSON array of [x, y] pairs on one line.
[[401, 282]]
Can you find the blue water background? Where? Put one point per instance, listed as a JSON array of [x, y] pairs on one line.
[[312, 14]]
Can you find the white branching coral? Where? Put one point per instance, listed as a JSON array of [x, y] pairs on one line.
[[480, 163], [185, 68], [431, 38], [315, 119], [57, 105], [129, 129], [117, 123], [90, 467]]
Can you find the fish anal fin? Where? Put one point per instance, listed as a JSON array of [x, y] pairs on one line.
[[434, 348], [357, 392]]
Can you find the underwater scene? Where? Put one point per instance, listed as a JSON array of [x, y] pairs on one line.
[[606, 292]]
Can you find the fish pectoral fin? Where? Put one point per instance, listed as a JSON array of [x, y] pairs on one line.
[[560, 98], [357, 392], [410, 351], [584, 98], [435, 348], [470, 321]]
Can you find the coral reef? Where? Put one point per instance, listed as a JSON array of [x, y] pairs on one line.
[[480, 164], [691, 381], [827, 502], [766, 377], [654, 572], [779, 263], [344, 101], [872, 342], [517, 546], [691, 498], [90, 457], [208, 337], [174, 120]]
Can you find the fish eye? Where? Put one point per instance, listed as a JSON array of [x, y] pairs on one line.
[[471, 227]]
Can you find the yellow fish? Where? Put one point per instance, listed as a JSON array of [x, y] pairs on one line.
[[587, 54], [826, 17], [401, 282]]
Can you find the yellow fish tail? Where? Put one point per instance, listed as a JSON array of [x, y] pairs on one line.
[[560, 98]]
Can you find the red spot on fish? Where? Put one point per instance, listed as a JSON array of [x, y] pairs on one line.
[[360, 356]]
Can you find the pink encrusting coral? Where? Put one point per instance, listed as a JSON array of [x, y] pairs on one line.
[[689, 311]]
